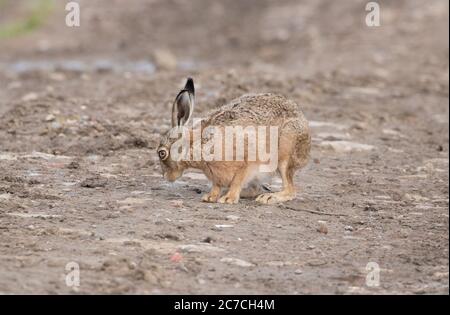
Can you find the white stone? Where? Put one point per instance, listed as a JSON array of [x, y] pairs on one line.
[[346, 146], [237, 262]]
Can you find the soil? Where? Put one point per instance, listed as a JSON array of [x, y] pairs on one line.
[[81, 111]]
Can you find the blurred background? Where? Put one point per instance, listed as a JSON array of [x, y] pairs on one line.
[[316, 52], [293, 35]]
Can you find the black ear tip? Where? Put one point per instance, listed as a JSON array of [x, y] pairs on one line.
[[190, 85]]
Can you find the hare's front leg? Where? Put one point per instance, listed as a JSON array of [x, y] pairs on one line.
[[233, 194], [213, 195]]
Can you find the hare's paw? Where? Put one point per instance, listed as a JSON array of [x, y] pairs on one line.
[[210, 198], [229, 199], [272, 198]]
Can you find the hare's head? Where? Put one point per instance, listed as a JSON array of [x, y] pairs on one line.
[[182, 110]]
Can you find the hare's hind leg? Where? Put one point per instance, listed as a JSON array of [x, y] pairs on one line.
[[213, 195], [288, 192]]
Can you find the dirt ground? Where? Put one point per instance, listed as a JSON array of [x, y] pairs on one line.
[[81, 110]]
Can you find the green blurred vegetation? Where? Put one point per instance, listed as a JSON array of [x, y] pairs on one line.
[[38, 12]]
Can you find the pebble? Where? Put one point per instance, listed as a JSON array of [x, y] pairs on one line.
[[201, 281], [200, 248], [322, 228], [30, 97], [176, 203], [208, 239], [322, 124], [131, 243], [222, 226], [49, 118], [177, 257], [370, 208], [164, 59], [5, 196], [94, 182], [415, 197], [73, 165], [56, 125], [33, 215], [8, 157], [237, 262], [333, 136], [57, 76], [149, 276], [346, 146]]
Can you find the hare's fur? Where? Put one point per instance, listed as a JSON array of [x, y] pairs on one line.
[[294, 143]]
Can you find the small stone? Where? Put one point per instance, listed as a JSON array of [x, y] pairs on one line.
[[298, 271], [55, 125], [219, 227], [94, 182], [49, 118], [164, 59], [237, 262], [370, 208], [73, 165], [346, 146], [200, 248], [392, 132], [149, 276], [233, 217], [201, 281], [5, 196], [440, 275], [30, 97], [169, 236], [348, 228], [57, 76], [322, 228], [322, 124], [176, 258], [208, 239], [404, 233], [176, 203], [333, 136], [415, 197], [132, 243]]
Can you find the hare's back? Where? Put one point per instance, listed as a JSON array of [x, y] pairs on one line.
[[261, 109]]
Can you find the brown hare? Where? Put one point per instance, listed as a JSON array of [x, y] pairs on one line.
[[242, 171]]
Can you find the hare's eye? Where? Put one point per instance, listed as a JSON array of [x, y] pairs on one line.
[[163, 154]]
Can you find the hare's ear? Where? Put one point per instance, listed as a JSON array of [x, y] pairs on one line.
[[183, 107]]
